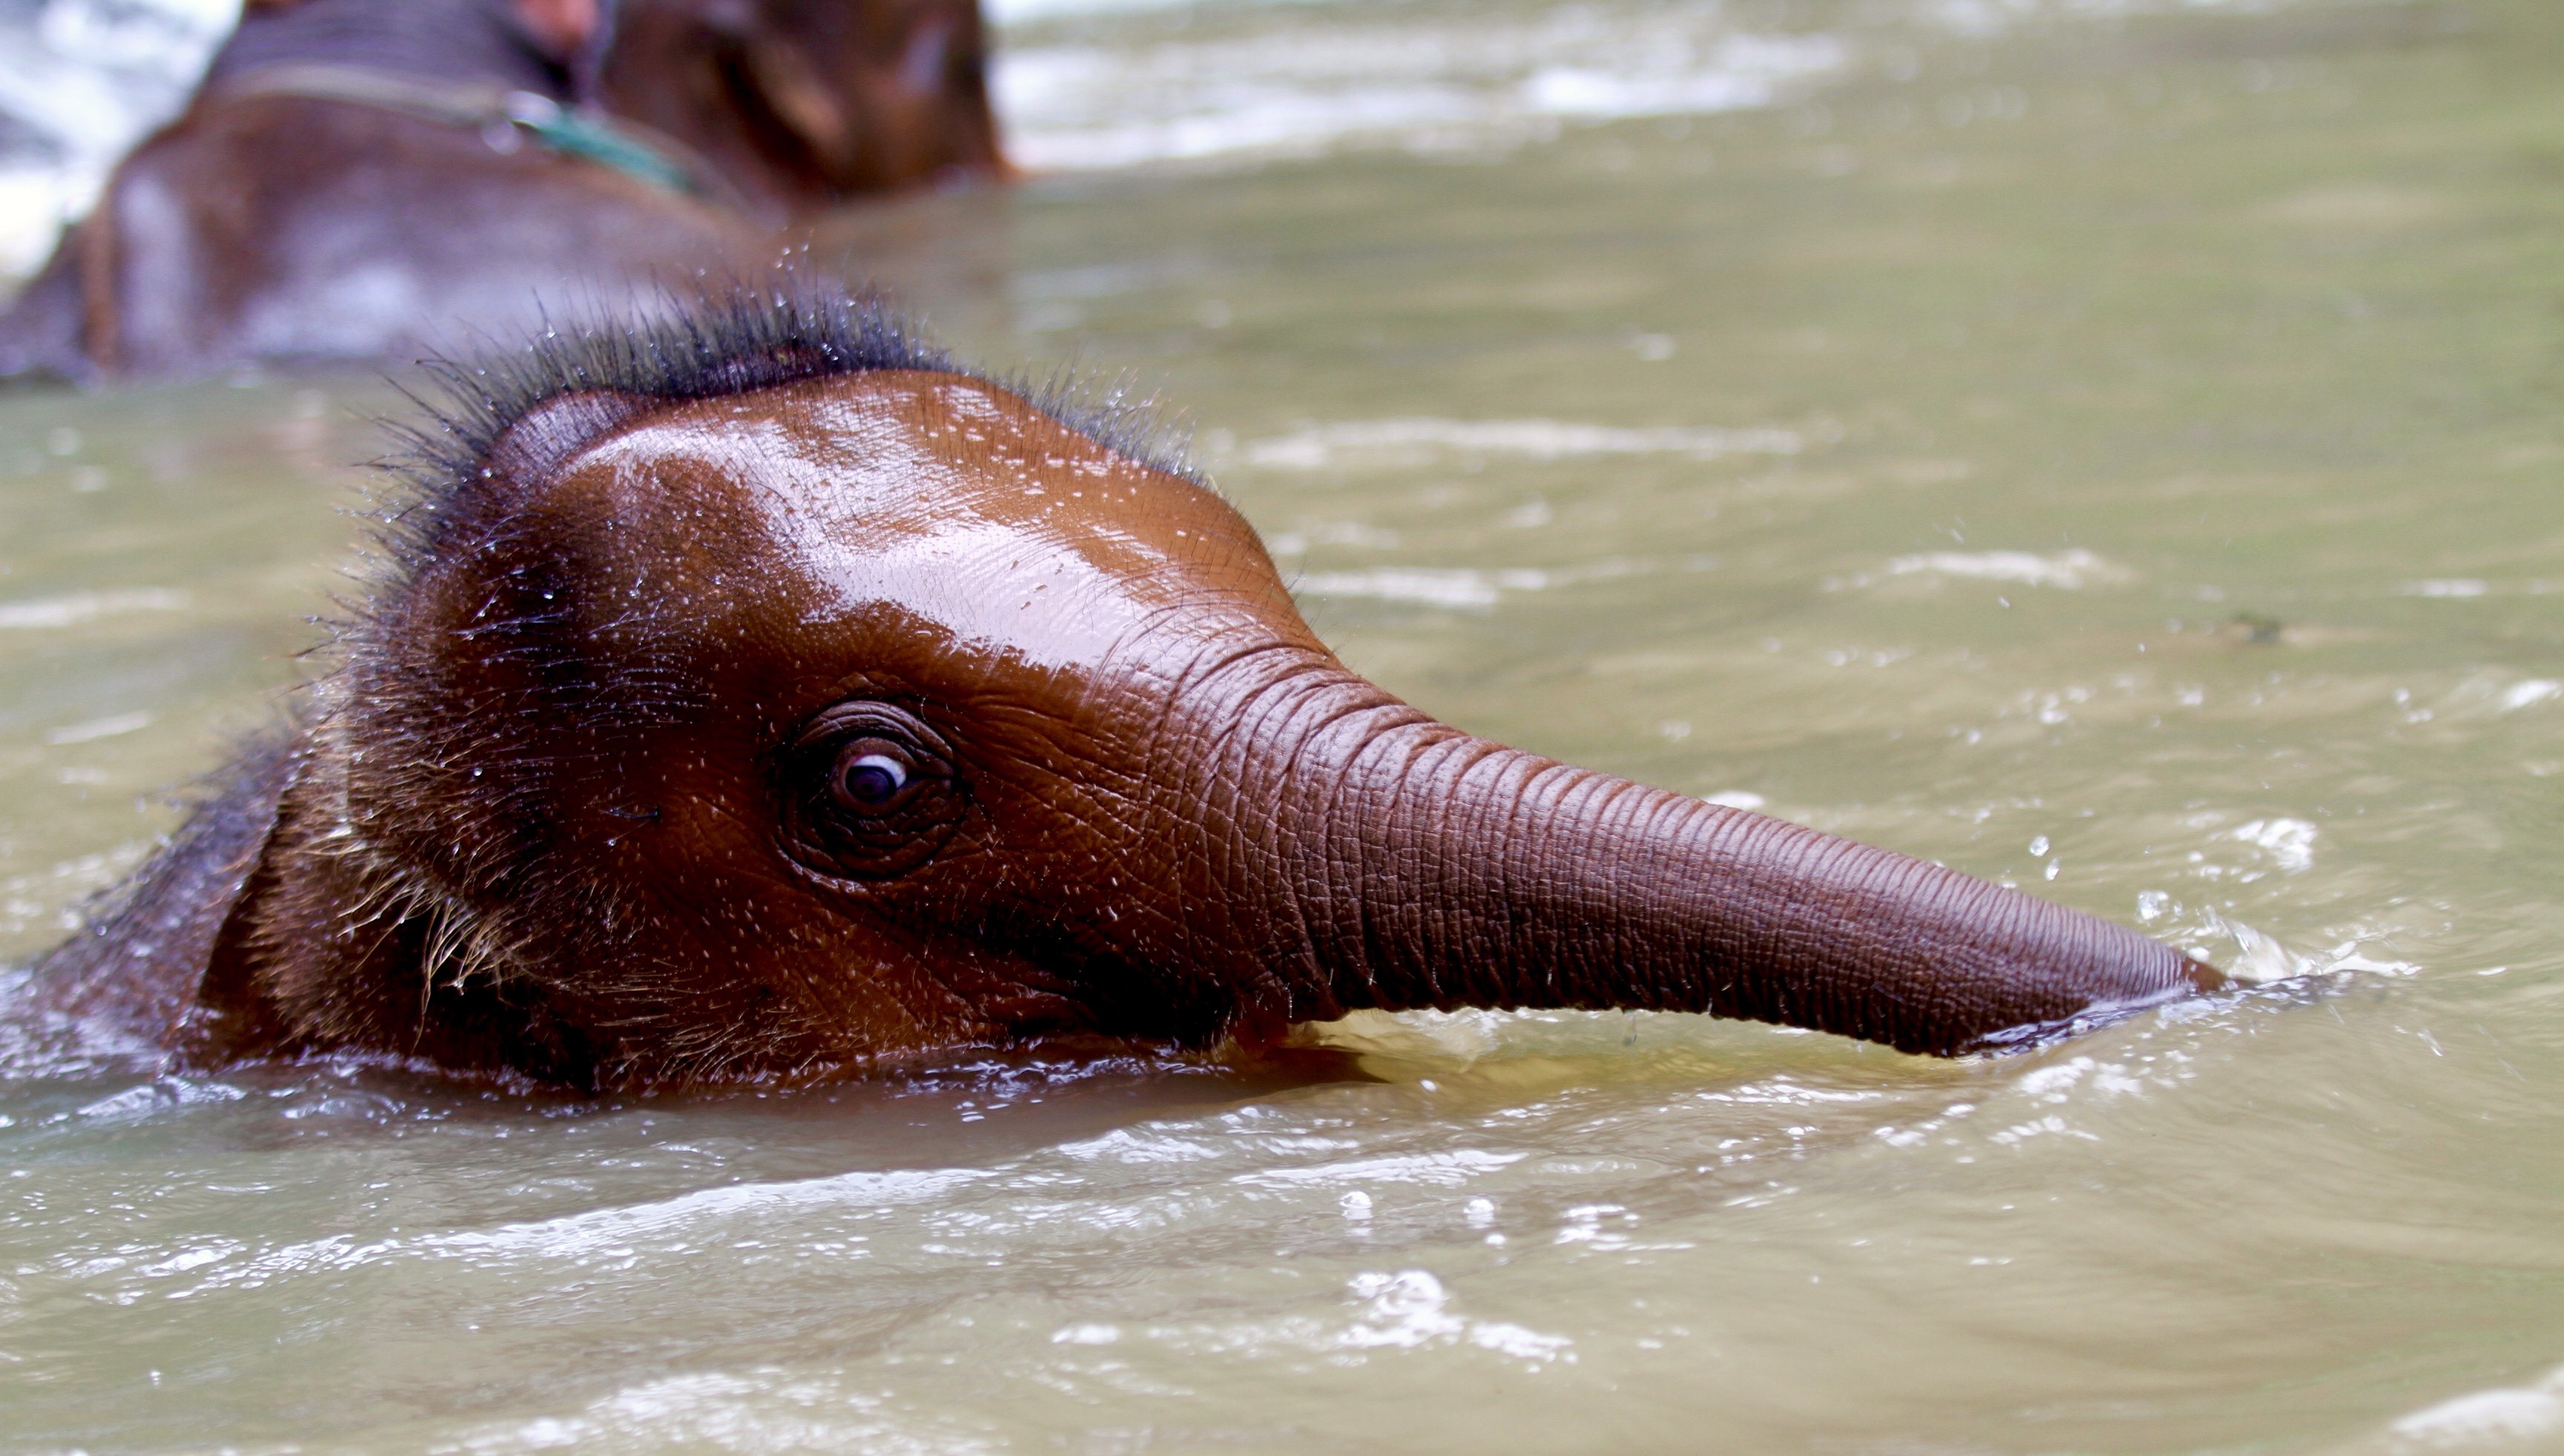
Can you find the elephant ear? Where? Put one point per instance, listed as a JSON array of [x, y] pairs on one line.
[[800, 98], [145, 963]]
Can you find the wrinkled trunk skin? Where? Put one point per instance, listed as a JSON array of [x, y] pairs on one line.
[[1432, 869]]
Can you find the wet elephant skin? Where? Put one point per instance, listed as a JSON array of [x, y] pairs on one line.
[[837, 717]]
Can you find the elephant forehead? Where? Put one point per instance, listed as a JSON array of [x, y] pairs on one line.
[[956, 503]]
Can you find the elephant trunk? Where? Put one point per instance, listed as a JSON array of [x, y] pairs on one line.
[[1438, 869]]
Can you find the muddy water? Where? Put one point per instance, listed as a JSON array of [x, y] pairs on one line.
[[2112, 452]]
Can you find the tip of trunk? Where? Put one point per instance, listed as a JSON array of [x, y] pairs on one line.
[[2193, 977]]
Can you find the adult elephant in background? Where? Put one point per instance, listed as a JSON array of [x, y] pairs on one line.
[[363, 179]]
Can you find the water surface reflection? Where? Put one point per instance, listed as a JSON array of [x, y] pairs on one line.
[[2112, 454]]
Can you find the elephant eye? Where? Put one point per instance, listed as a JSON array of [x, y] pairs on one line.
[[868, 791], [872, 778]]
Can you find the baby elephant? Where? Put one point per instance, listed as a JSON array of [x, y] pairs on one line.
[[760, 697]]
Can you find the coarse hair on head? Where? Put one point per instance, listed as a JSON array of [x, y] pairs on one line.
[[674, 348], [430, 818]]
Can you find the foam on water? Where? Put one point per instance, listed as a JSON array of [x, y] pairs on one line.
[[1418, 440], [1298, 79], [2068, 569], [1358, 77], [2504, 1418], [82, 607]]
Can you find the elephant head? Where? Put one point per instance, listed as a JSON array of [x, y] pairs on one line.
[[761, 696], [804, 103]]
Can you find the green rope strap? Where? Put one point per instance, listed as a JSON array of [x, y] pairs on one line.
[[585, 136]]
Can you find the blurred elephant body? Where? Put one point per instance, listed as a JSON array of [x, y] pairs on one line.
[[367, 179]]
